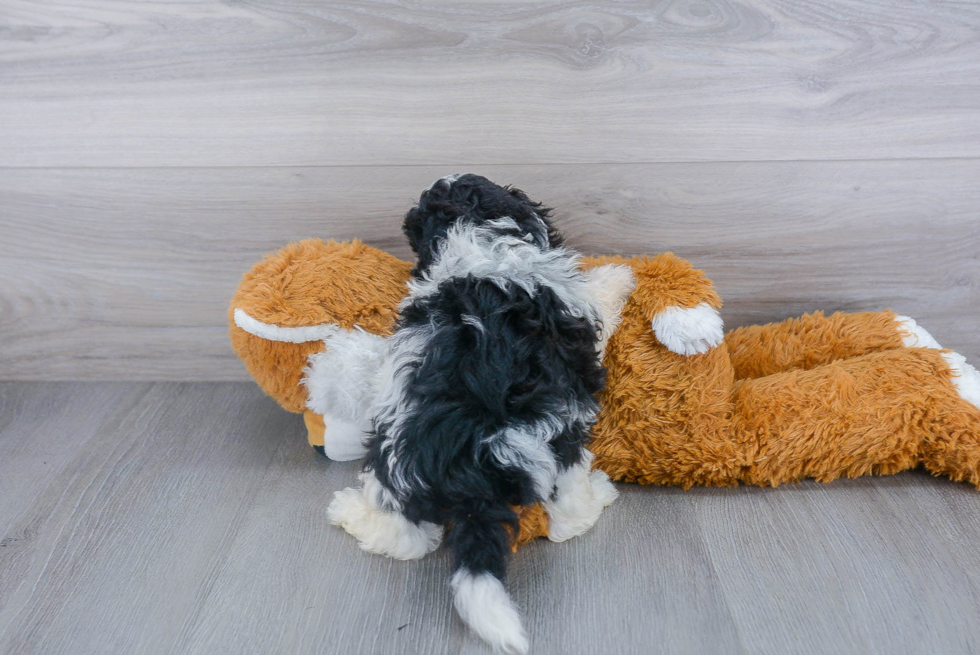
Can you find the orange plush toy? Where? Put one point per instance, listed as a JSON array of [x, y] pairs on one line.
[[815, 397]]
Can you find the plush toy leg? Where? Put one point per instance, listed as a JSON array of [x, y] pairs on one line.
[[814, 339], [314, 430], [874, 414], [666, 418]]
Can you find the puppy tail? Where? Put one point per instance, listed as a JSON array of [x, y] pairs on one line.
[[481, 544]]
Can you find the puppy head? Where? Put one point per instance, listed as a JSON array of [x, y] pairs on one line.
[[476, 199]]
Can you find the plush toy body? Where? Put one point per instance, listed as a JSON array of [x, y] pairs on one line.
[[815, 397]]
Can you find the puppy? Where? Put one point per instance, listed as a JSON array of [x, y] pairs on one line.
[[485, 397]]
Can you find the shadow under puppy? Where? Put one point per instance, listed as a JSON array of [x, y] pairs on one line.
[[484, 395]]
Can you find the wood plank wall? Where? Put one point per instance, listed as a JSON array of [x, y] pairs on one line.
[[808, 155]]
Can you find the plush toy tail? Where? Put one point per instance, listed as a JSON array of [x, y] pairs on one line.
[[480, 543], [288, 334]]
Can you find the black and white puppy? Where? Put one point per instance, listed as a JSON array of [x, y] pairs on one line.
[[485, 396]]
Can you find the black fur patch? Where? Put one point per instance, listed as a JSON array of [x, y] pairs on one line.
[[497, 359], [480, 200]]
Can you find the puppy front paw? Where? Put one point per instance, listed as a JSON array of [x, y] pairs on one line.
[[689, 330]]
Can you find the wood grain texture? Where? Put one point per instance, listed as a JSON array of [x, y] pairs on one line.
[[125, 273], [190, 518], [297, 82]]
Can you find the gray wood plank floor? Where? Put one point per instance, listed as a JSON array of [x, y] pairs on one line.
[[815, 155], [189, 518]]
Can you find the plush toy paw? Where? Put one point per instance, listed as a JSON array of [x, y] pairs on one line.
[[689, 330], [914, 335], [965, 378]]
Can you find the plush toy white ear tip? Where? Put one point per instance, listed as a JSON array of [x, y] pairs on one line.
[[689, 330]]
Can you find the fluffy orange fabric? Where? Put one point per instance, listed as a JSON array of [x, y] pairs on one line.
[[808, 341], [311, 283], [814, 397]]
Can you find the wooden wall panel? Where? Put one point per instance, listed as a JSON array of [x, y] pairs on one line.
[[299, 82], [125, 273]]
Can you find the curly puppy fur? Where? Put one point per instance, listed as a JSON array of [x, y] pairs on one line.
[[488, 391]]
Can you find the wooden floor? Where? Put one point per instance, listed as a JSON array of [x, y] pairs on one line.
[[190, 518]]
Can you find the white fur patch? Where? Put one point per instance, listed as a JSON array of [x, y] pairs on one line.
[[610, 286], [580, 497], [343, 379], [689, 331], [965, 378], [393, 405], [483, 604], [449, 179], [272, 332], [380, 531], [343, 441], [527, 449], [914, 335], [483, 252]]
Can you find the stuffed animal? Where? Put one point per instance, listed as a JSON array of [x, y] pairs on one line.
[[685, 404]]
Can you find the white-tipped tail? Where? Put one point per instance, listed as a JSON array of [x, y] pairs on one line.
[[483, 604]]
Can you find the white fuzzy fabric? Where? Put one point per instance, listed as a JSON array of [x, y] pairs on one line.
[[483, 604], [914, 335], [342, 380], [689, 331], [343, 441], [381, 531], [966, 379], [610, 286], [580, 497], [288, 334]]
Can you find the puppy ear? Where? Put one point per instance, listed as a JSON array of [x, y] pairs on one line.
[[537, 213], [414, 228]]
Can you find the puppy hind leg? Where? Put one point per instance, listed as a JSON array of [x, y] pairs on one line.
[[370, 516], [580, 496]]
